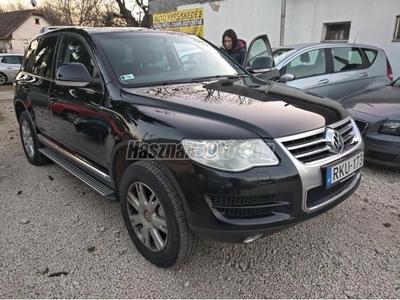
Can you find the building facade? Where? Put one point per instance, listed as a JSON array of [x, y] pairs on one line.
[[374, 22], [17, 28]]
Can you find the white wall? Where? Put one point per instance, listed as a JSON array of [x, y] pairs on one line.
[[373, 20], [24, 33], [248, 18]]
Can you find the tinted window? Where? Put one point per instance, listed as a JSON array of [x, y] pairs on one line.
[[44, 56], [74, 50], [30, 56], [371, 55], [11, 60], [308, 64], [346, 59]]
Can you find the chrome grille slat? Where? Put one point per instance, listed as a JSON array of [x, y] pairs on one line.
[[291, 148], [326, 148], [315, 147]]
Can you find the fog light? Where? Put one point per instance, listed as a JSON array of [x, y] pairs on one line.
[[252, 238]]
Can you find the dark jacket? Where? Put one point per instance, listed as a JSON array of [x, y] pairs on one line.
[[238, 53]]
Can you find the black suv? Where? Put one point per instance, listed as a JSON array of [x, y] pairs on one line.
[[192, 145]]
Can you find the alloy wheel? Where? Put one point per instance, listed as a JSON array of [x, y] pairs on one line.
[[3, 79], [147, 217], [27, 138]]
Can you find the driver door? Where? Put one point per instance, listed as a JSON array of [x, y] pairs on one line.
[[260, 47]]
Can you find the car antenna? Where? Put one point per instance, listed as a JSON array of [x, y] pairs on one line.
[[356, 37]]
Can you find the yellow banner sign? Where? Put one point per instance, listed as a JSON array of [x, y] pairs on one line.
[[189, 20]]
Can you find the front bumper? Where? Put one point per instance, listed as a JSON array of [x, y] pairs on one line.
[[231, 207], [382, 149]]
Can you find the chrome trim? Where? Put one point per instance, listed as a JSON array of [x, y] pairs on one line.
[[57, 148], [316, 207], [307, 144], [310, 173], [312, 132], [314, 152]]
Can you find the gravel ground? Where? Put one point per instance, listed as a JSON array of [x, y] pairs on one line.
[[60, 239]]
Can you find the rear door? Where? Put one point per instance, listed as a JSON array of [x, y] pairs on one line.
[[350, 72], [310, 72]]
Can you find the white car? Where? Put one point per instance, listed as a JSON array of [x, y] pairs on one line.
[[9, 66]]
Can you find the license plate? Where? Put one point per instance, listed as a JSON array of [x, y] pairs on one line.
[[339, 171]]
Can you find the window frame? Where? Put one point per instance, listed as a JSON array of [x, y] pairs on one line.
[[396, 33], [360, 52], [325, 31], [63, 36]]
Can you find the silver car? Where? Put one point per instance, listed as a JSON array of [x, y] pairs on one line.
[[333, 70], [9, 66]]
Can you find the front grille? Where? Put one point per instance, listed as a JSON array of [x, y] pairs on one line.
[[246, 212], [223, 200], [315, 147], [361, 125], [321, 194], [242, 207]]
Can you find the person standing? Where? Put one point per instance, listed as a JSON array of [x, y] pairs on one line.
[[234, 47]]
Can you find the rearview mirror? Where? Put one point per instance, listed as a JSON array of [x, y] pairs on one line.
[[262, 64], [72, 74]]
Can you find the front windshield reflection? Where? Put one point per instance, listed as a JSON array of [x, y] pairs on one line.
[[147, 58]]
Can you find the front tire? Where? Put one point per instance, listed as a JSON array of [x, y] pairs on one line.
[[154, 216], [30, 140]]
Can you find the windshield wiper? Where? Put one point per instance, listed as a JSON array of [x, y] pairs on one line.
[[215, 77]]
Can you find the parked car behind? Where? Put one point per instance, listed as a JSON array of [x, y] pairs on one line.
[[9, 66], [201, 151], [333, 70], [377, 115]]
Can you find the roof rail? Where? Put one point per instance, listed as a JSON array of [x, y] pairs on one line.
[[48, 28]]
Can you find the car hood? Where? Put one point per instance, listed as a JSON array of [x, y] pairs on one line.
[[266, 108], [383, 102]]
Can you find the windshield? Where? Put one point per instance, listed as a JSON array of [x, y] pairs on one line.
[[148, 58], [281, 53]]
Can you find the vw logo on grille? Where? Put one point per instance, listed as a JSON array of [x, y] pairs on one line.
[[335, 140]]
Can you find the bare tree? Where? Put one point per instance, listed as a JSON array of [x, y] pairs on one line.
[[127, 13]]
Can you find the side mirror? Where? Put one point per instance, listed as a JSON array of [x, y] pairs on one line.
[[262, 64], [72, 74], [286, 77]]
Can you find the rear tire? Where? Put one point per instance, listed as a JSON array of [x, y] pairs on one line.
[[3, 78], [30, 142], [154, 216]]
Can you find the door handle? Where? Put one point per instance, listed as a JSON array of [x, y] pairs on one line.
[[9, 68], [323, 81], [52, 98], [363, 74]]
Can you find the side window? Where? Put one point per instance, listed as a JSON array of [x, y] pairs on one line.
[[346, 59], [308, 64], [371, 55], [74, 50], [44, 57], [11, 60], [30, 56]]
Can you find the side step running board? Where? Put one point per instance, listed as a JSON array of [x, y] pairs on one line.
[[85, 177]]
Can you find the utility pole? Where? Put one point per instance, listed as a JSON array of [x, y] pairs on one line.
[[283, 16]]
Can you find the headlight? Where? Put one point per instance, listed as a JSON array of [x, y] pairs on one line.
[[391, 127], [230, 155]]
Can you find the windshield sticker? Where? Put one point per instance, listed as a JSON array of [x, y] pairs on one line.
[[127, 77]]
